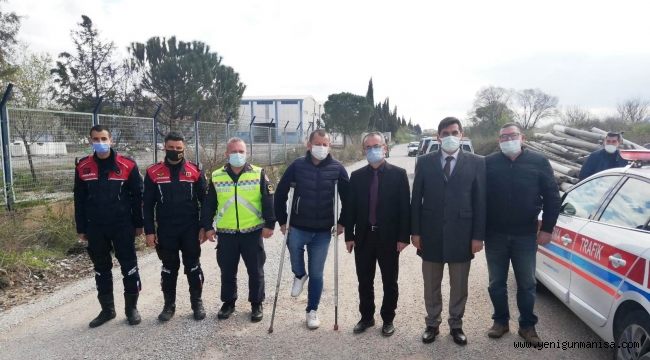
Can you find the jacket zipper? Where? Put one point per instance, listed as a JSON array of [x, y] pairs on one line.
[[161, 194], [236, 206], [119, 192]]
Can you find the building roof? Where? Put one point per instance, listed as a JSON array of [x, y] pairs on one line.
[[278, 97]]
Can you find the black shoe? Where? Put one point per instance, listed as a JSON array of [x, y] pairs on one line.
[[170, 306], [226, 310], [257, 312], [107, 313], [362, 325], [131, 310], [388, 329], [167, 312], [197, 303], [197, 308], [429, 334], [459, 336]]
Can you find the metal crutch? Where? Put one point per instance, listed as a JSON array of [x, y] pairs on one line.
[[335, 235], [284, 247]]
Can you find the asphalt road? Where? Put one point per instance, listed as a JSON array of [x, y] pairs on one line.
[[56, 326]]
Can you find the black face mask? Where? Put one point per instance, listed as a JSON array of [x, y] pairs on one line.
[[173, 155]]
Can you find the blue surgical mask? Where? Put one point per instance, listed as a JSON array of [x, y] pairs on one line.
[[101, 148], [375, 155], [237, 159]]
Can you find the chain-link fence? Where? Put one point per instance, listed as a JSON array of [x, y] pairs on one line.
[[43, 146], [132, 136]]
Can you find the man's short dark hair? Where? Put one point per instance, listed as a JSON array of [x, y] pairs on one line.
[[373, 133], [319, 132], [99, 128], [450, 120], [616, 135], [511, 124], [174, 136]]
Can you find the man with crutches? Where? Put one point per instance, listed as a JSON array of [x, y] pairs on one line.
[[241, 195], [312, 217]]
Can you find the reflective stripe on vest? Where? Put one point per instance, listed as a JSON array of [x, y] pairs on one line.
[[239, 203]]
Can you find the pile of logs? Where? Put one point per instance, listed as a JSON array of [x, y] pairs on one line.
[[568, 148]]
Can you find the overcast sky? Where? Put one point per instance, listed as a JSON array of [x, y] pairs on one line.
[[429, 57]]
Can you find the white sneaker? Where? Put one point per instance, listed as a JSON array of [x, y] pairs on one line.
[[298, 285], [312, 320]]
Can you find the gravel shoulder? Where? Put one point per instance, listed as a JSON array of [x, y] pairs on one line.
[[56, 326]]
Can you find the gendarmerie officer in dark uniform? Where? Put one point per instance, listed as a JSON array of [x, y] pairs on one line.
[[173, 192], [108, 215]]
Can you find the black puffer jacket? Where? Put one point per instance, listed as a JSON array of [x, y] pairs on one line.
[[313, 202]]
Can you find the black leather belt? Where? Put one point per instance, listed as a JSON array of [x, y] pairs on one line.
[[373, 228]]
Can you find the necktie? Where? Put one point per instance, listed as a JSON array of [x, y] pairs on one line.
[[374, 195], [447, 168]]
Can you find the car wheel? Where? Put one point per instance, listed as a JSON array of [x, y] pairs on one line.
[[635, 328]]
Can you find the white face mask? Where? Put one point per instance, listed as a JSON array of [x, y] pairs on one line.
[[611, 148], [511, 148], [450, 144], [320, 152], [237, 159]]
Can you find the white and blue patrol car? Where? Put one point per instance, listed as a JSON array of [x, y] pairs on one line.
[[598, 260]]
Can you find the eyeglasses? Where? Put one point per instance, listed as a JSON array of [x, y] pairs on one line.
[[378, 146], [506, 137]]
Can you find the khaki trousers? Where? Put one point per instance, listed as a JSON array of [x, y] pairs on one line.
[[458, 281]]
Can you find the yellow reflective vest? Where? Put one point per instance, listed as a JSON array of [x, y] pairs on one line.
[[239, 206]]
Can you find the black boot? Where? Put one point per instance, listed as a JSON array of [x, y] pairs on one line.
[[170, 307], [131, 310], [108, 310], [197, 304]]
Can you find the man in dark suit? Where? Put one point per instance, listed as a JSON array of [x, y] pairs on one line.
[[377, 228], [448, 224]]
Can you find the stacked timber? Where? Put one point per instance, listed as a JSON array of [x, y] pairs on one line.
[[567, 149]]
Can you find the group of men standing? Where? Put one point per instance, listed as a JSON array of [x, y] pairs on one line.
[[459, 203]]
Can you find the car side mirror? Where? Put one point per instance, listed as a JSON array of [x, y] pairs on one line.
[[568, 209]]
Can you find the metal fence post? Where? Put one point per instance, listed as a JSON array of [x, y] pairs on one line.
[[6, 156], [155, 133], [96, 110], [228, 120], [250, 136], [196, 135], [284, 136], [270, 142]]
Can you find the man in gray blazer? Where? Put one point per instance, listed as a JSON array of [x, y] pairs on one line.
[[448, 224]]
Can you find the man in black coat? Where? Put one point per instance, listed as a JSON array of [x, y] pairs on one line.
[[448, 224], [606, 158], [521, 185], [377, 228]]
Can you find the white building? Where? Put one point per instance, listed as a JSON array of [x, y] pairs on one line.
[[297, 114]]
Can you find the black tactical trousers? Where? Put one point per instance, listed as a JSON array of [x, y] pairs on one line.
[[121, 238]]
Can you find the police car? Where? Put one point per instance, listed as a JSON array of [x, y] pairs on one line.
[[598, 262]]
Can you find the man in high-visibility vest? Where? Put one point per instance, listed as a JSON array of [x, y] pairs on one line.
[[240, 202]]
